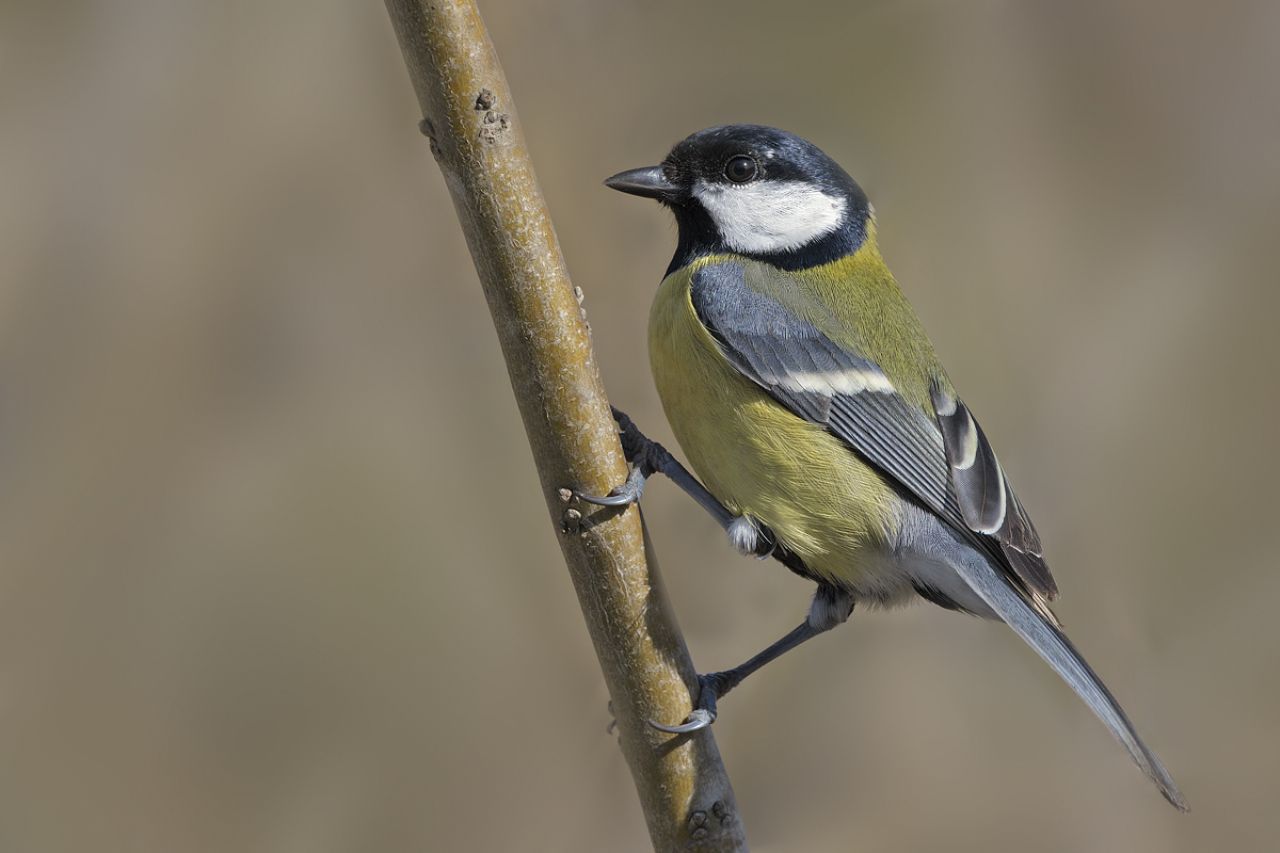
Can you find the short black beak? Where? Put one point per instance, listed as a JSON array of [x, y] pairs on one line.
[[649, 182]]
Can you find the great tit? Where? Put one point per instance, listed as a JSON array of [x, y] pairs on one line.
[[807, 397]]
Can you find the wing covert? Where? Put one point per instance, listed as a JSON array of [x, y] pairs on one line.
[[947, 463], [824, 383]]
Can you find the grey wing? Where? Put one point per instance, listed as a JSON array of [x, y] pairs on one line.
[[986, 499], [824, 383], [947, 463]]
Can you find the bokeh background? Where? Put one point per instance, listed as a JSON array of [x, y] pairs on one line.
[[275, 574]]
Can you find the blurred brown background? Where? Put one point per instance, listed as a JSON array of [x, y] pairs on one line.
[[274, 570]]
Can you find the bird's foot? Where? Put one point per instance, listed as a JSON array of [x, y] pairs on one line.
[[711, 687], [625, 495], [645, 455]]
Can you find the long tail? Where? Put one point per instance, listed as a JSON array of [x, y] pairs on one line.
[[1052, 645]]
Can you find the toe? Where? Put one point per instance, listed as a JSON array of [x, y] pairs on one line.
[[698, 720]]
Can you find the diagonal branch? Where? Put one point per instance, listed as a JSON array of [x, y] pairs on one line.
[[471, 122]]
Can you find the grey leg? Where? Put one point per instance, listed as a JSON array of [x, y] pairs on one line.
[[830, 608], [648, 457]]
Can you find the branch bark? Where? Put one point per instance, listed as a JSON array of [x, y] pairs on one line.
[[471, 122]]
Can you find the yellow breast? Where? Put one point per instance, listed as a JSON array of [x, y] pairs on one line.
[[758, 458]]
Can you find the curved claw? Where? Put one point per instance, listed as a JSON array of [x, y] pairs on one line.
[[624, 498], [625, 495], [697, 721]]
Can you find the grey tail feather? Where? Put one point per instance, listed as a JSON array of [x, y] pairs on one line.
[[1051, 644]]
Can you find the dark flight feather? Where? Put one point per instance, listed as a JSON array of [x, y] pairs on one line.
[[986, 500], [824, 383]]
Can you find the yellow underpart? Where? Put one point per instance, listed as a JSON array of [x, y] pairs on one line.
[[819, 498]]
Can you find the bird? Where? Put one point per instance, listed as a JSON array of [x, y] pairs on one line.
[[819, 423]]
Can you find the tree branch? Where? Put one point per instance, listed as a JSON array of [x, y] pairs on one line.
[[471, 122]]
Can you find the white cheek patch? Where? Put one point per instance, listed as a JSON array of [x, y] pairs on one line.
[[770, 216]]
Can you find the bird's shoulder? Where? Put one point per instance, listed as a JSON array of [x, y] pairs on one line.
[[864, 369], [853, 304]]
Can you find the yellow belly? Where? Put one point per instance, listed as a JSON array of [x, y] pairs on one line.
[[759, 459]]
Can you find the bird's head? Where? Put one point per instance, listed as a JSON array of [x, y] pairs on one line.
[[756, 191]]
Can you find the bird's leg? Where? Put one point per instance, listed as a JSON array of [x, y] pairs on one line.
[[648, 457], [830, 608]]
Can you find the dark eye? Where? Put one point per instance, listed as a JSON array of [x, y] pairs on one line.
[[740, 169]]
